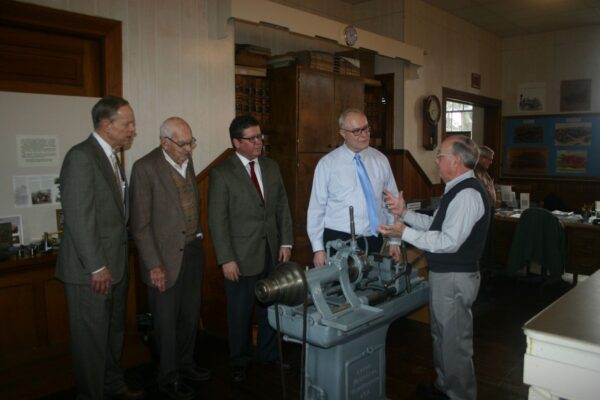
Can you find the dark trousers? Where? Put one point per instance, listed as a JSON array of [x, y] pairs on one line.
[[97, 325], [176, 312], [241, 302], [374, 242]]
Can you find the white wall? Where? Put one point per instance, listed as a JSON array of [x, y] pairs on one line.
[[454, 49], [171, 66], [67, 118], [551, 58]]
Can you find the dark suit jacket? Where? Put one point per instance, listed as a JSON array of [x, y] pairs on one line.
[[95, 233], [239, 224], [157, 220]]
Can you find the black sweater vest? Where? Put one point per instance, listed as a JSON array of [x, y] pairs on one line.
[[466, 259]]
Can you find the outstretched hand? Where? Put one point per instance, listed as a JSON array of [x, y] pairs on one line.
[[396, 205]]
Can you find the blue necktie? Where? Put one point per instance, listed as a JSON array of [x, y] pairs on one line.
[[368, 191]]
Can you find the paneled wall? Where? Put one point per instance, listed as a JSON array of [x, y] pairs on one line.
[[171, 66], [454, 49]]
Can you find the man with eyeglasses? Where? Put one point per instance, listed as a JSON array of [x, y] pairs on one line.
[[354, 175], [453, 240], [251, 228], [165, 223]]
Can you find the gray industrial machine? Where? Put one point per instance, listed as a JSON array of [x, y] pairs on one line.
[[349, 306]]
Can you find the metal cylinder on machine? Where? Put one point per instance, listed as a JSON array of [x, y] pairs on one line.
[[285, 285]]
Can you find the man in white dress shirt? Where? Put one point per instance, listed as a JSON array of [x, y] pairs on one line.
[[337, 186]]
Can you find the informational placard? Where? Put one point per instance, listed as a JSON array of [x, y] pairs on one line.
[[552, 146], [36, 190], [37, 151]]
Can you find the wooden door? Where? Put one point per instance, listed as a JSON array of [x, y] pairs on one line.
[[315, 107], [349, 93]]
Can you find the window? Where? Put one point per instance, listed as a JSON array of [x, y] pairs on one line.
[[459, 117]]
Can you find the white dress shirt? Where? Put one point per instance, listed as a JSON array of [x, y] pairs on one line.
[[246, 163], [181, 169], [463, 212], [336, 187]]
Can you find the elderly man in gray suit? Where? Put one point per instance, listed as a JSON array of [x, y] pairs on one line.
[[165, 223], [251, 227], [93, 254]]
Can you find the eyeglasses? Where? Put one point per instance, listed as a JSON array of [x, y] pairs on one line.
[[253, 139], [440, 155], [191, 143], [359, 131]]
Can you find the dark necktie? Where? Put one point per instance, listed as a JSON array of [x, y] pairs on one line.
[[255, 181], [368, 192]]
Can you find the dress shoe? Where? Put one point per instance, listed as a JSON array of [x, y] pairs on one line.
[[195, 374], [177, 390], [129, 394], [430, 392], [239, 374]]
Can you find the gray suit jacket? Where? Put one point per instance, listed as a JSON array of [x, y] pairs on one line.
[[239, 224], [95, 232], [157, 220]]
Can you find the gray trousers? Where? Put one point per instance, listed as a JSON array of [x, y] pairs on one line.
[[451, 296], [97, 325], [176, 314]]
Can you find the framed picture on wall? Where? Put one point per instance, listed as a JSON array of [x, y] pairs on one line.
[[527, 160], [531, 97], [576, 95]]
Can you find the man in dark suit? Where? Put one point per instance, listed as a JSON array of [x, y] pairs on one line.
[[165, 220], [93, 254], [251, 227]]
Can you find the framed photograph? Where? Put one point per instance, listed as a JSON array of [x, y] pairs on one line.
[[16, 228], [527, 160], [531, 97], [60, 221], [576, 95]]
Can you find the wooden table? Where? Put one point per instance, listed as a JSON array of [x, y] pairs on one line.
[[563, 346], [583, 245]]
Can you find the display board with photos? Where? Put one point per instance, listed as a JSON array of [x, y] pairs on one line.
[[552, 146]]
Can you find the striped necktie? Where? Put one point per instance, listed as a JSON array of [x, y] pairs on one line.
[[116, 170]]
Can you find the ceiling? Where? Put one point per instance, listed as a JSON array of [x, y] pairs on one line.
[[520, 17]]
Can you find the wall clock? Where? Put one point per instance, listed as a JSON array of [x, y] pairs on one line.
[[432, 111], [350, 35]]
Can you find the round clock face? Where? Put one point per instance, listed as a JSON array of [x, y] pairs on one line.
[[350, 35], [434, 110]]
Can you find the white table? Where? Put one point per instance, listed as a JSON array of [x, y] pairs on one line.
[[562, 359]]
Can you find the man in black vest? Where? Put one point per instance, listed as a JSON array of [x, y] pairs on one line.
[[453, 240]]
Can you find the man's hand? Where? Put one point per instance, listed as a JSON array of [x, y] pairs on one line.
[[158, 277], [231, 271], [396, 229], [101, 281], [319, 258], [396, 205], [285, 253], [394, 251]]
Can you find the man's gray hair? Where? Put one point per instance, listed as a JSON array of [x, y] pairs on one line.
[[345, 114], [467, 149]]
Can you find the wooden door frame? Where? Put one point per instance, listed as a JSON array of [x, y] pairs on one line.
[[106, 32], [492, 120]]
